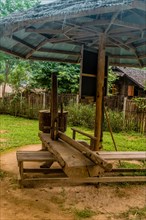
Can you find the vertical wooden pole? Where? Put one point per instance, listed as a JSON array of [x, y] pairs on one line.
[[99, 93], [54, 108]]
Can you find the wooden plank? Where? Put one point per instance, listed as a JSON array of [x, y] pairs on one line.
[[34, 156], [93, 179], [127, 170], [83, 133], [87, 152], [139, 155], [73, 162], [43, 170]]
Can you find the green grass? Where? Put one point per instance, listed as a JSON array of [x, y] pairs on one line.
[[134, 213], [85, 213], [16, 132], [130, 141]]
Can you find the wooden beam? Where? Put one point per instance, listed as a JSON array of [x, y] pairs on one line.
[[36, 48], [124, 64], [73, 162], [71, 53], [111, 22], [54, 107], [54, 59], [86, 152], [10, 52], [99, 93], [129, 25]]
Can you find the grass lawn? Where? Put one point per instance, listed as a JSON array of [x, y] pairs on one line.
[[16, 132]]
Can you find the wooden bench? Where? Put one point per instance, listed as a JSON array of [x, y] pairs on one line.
[[33, 156]]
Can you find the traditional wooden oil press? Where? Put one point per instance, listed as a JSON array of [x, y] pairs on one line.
[[92, 34]]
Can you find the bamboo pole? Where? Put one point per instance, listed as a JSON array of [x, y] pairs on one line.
[[110, 129], [99, 93]]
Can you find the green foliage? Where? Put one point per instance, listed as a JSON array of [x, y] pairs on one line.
[[116, 121], [7, 62], [9, 6], [68, 76], [84, 115], [140, 103], [19, 75], [112, 77], [1, 79], [81, 115]]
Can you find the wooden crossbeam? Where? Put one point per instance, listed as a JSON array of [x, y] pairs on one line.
[[10, 52], [136, 155], [48, 50], [92, 179]]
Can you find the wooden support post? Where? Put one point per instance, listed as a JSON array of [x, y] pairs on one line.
[[99, 93], [54, 108]]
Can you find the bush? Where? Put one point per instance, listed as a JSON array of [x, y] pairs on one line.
[[84, 116], [81, 115], [116, 121]]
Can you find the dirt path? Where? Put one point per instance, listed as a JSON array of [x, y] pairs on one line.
[[50, 202]]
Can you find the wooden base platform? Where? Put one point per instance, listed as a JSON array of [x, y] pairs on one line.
[[75, 166]]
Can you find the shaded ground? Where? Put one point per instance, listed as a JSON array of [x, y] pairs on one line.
[[63, 202]]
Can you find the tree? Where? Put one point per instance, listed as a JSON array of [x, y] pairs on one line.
[[112, 77], [9, 6], [7, 62], [68, 76]]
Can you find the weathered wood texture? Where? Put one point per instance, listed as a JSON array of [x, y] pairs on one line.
[[45, 121], [99, 93], [94, 180], [122, 155], [86, 152], [73, 162], [34, 156], [54, 107], [92, 138]]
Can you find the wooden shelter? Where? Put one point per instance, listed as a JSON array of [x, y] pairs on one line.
[[130, 82], [67, 30]]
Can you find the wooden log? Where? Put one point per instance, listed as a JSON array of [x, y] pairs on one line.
[[99, 93], [87, 152], [123, 155], [115, 179], [72, 161], [54, 108]]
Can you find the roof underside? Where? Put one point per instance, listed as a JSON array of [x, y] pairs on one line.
[[58, 31]]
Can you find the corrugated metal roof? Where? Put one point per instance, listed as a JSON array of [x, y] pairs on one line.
[[63, 27]]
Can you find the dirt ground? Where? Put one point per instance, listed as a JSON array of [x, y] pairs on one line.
[[45, 201]]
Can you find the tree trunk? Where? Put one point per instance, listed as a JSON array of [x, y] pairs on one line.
[[7, 69]]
